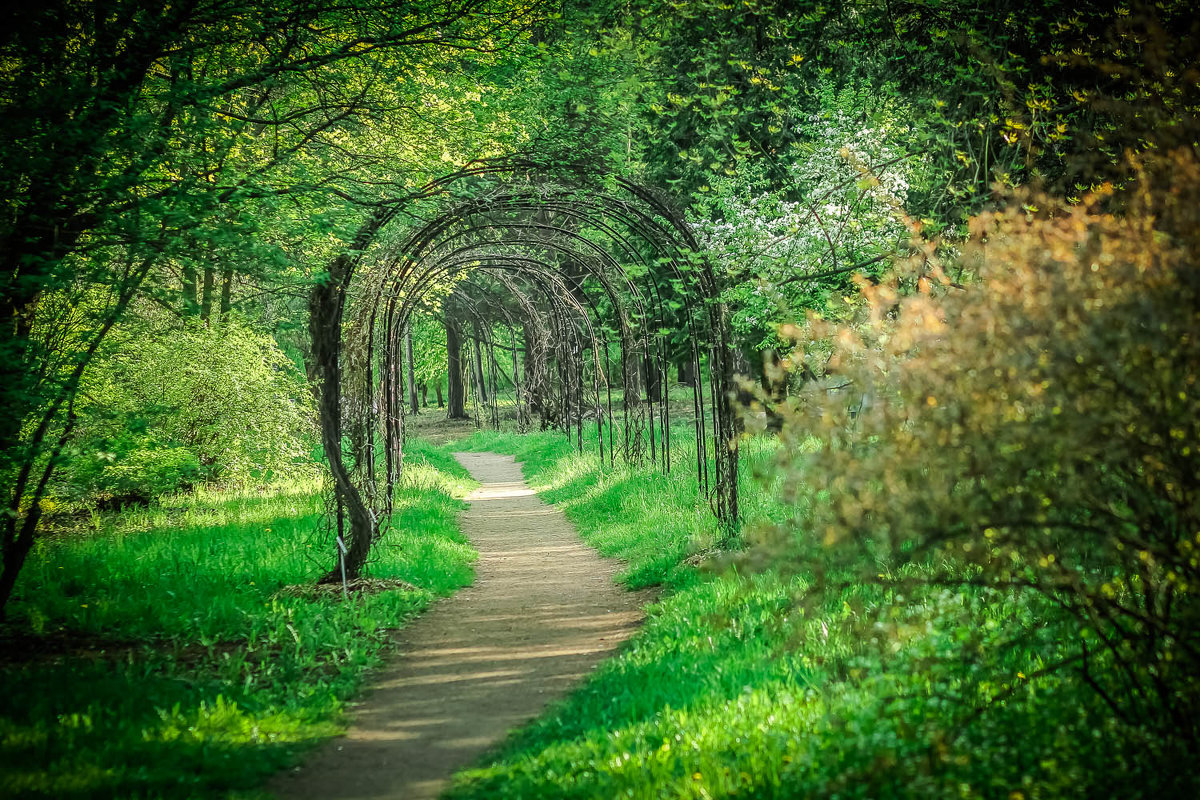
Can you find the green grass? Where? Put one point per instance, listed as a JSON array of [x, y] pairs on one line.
[[210, 678], [750, 679], [651, 521], [745, 683]]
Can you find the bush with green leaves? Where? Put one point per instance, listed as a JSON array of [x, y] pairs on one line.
[[1037, 434], [136, 469], [167, 404]]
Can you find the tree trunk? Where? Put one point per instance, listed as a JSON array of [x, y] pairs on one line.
[[654, 383], [423, 388], [206, 302], [191, 303], [686, 369], [437, 388], [410, 377], [227, 293], [456, 394], [743, 397]]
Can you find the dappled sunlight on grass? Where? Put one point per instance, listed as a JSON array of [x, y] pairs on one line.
[[199, 677], [744, 683], [573, 467]]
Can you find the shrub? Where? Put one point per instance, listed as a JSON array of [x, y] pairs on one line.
[[139, 470], [1038, 433], [166, 404]]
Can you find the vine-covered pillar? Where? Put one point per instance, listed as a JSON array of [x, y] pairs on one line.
[[326, 306], [722, 365]]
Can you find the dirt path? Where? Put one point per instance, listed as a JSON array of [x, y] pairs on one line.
[[543, 610]]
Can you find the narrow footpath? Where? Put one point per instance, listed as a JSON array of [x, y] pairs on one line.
[[542, 612]]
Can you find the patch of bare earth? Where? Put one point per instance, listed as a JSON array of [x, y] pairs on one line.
[[542, 612], [20, 647], [358, 586]]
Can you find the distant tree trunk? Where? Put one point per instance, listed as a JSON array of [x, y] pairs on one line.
[[686, 369], [477, 367], [423, 388], [437, 388], [227, 293], [743, 397], [206, 301], [632, 372], [654, 387], [410, 377], [457, 401], [191, 304]]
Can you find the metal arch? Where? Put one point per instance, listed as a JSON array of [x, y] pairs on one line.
[[641, 228], [561, 200]]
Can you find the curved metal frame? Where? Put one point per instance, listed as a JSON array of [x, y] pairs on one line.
[[595, 260]]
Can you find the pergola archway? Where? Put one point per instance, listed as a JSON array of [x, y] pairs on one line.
[[606, 284]]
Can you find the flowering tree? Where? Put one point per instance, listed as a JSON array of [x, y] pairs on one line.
[[788, 248]]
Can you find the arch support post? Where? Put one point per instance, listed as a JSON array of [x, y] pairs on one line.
[[722, 372], [326, 306]]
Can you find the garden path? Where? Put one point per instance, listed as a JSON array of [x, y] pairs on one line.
[[542, 612]]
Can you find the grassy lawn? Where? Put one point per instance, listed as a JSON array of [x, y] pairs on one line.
[[168, 663], [744, 683]]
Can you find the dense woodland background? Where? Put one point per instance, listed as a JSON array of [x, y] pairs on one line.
[[952, 245]]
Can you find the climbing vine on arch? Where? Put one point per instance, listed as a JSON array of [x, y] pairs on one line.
[[574, 291]]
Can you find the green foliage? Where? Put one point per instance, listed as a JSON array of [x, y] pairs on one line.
[[429, 349], [839, 209], [189, 671], [167, 404], [1037, 434], [136, 469], [149, 150], [725, 85], [982, 582], [774, 684]]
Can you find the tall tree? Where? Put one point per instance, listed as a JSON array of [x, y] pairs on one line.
[[130, 132]]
